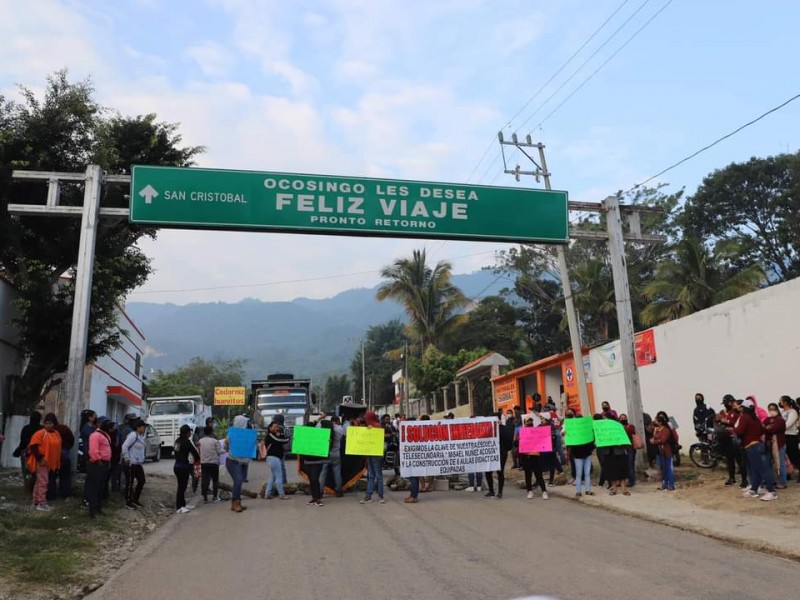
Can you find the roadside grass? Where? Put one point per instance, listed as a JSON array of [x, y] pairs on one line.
[[63, 553]]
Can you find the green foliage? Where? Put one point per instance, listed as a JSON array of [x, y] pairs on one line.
[[436, 369], [757, 205], [428, 296], [198, 377], [694, 278], [383, 346], [336, 387], [492, 324], [65, 130]]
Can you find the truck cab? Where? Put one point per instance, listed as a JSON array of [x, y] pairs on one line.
[[167, 416], [282, 394]]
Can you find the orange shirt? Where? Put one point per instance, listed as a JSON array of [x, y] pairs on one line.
[[49, 447]]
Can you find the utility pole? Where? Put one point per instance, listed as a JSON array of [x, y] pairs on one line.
[[622, 294], [616, 238], [572, 316], [406, 383], [363, 374]]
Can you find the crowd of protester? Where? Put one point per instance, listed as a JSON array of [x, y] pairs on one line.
[[759, 446]]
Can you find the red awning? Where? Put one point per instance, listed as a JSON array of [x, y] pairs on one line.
[[123, 394]]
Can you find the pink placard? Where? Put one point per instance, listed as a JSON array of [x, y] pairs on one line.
[[535, 439]]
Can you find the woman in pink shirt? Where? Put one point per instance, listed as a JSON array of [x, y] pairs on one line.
[[98, 465]]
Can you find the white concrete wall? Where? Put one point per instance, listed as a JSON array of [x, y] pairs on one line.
[[552, 384], [750, 345]]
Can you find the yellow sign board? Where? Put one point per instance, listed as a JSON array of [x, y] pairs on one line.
[[229, 396], [364, 441]]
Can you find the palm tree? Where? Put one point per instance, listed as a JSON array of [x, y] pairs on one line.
[[696, 278], [594, 298], [428, 296]]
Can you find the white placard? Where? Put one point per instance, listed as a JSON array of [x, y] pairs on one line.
[[449, 446]]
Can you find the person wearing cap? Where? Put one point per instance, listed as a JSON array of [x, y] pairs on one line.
[[186, 455], [134, 449], [751, 430], [374, 466], [44, 458]]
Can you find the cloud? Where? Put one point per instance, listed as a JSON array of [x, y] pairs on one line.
[[214, 59]]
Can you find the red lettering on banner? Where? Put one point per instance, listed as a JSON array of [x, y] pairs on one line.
[[427, 433], [471, 431]]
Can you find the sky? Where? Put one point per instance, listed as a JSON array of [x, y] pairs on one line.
[[415, 90]]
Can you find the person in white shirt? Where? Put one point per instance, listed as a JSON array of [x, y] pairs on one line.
[[210, 450], [133, 452]]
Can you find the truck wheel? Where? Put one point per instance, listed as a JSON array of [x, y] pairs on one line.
[[157, 456]]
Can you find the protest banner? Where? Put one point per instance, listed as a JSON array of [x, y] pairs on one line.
[[610, 433], [364, 441], [242, 442], [311, 441], [446, 447], [535, 439], [578, 431]]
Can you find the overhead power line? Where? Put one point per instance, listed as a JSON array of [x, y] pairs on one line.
[[585, 62], [541, 89], [715, 142], [608, 60]]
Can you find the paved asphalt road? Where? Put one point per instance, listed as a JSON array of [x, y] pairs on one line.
[[450, 545]]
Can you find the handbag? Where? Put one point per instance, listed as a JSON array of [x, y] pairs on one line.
[[636, 439]]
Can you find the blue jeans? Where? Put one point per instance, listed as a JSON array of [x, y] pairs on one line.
[[759, 469], [374, 475], [236, 471], [474, 478], [782, 464], [583, 471], [667, 474], [275, 475], [283, 469], [414, 491], [336, 467]]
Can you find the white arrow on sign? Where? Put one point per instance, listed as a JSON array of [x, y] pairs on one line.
[[148, 193]]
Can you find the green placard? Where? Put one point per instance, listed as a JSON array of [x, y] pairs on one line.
[[610, 433], [364, 441], [578, 431], [219, 199], [311, 441]]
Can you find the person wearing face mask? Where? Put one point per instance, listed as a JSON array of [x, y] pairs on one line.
[[44, 458], [791, 414], [703, 417], [631, 431], [775, 429], [662, 437], [750, 428]]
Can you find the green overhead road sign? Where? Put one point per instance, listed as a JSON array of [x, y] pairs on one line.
[[323, 204]]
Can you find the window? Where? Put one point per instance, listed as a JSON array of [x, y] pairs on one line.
[[138, 368]]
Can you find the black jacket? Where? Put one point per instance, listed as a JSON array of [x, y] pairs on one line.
[[183, 449], [507, 436]]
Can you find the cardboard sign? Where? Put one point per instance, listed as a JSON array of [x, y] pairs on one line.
[[578, 431], [450, 446], [242, 442], [311, 441], [364, 441], [229, 396], [535, 439], [610, 433]]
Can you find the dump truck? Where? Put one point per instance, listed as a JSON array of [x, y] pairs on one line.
[[282, 394], [168, 414]]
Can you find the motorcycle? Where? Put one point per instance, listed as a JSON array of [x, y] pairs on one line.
[[708, 452]]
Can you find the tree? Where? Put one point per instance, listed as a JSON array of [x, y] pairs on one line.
[[382, 345], [64, 131], [493, 324], [695, 278], [757, 205], [436, 369], [198, 378], [428, 296], [336, 387]]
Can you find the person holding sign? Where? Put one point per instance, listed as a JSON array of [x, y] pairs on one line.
[[275, 454], [531, 465], [374, 465], [313, 466], [239, 455], [613, 437], [580, 453]]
